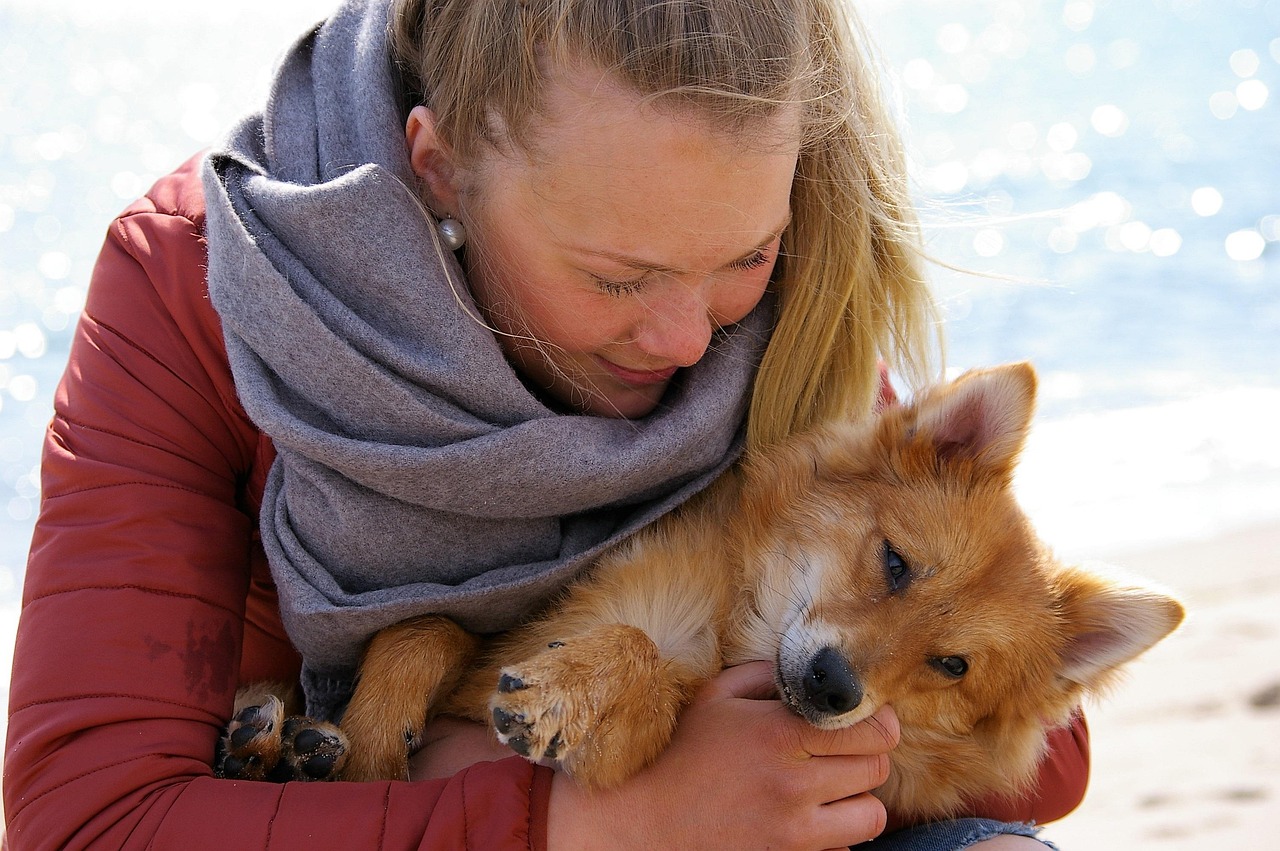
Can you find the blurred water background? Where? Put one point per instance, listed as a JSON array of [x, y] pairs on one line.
[[1110, 167]]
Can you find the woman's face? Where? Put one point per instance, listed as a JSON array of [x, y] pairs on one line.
[[607, 257]]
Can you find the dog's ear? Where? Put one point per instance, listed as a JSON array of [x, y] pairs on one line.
[[1109, 621], [984, 414]]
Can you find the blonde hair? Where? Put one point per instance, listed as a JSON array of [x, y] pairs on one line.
[[850, 282]]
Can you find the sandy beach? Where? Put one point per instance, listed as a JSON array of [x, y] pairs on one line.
[[1186, 751]]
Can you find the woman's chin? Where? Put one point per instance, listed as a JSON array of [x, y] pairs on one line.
[[621, 402]]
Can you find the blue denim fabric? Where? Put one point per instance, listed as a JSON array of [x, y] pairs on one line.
[[948, 835]]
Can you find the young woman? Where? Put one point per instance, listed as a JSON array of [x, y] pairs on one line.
[[485, 287]]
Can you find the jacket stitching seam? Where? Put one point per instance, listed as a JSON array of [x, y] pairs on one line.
[[172, 214], [129, 341], [143, 588], [271, 825], [528, 824], [17, 813], [100, 695], [128, 483], [466, 822], [235, 409], [128, 242], [386, 809], [135, 441]]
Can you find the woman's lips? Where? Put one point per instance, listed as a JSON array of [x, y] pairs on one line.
[[638, 377]]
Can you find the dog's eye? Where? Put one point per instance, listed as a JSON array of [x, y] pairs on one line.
[[896, 571], [953, 666]]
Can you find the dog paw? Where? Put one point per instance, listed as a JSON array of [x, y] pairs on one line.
[[260, 743], [312, 750], [250, 748], [594, 704], [531, 724]]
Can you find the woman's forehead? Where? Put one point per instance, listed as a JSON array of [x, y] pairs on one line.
[[582, 101]]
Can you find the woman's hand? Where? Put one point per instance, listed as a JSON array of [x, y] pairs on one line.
[[741, 772]]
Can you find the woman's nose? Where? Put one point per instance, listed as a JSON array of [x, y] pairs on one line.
[[678, 330]]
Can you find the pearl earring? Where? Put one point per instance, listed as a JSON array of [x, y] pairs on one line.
[[452, 234]]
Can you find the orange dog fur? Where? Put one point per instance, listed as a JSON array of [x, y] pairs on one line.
[[876, 562]]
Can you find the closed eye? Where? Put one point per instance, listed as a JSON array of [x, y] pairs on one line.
[[609, 286], [897, 572], [751, 261]]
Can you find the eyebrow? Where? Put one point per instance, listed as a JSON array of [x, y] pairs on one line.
[[646, 266]]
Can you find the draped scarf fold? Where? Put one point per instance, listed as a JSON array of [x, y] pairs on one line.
[[416, 473]]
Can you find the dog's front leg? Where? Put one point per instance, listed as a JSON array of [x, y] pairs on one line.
[[596, 685], [405, 672]]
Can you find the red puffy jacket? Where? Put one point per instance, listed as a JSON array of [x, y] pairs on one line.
[[148, 602]]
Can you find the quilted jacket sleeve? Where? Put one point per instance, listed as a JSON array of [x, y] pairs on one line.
[[133, 635]]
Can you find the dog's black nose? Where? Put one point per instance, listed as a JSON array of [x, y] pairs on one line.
[[831, 686]]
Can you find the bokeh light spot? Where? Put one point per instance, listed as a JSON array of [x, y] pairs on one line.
[[1244, 62], [1252, 94], [1109, 120], [1223, 105], [1206, 201], [1165, 242], [1245, 245]]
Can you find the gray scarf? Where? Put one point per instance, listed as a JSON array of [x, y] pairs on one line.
[[416, 472]]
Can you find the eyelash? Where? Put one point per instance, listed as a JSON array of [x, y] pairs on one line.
[[755, 261], [622, 288]]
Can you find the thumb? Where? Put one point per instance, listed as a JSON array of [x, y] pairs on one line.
[[750, 681]]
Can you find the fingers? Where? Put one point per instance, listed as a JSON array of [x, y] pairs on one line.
[[795, 786], [877, 734], [836, 778], [850, 821], [755, 681], [749, 681], [818, 782]]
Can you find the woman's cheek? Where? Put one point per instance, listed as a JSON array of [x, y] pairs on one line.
[[741, 296]]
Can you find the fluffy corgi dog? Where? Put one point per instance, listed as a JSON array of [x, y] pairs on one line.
[[885, 561]]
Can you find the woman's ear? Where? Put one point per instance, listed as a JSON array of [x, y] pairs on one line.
[[432, 161]]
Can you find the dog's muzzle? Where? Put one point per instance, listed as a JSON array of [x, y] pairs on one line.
[[821, 689]]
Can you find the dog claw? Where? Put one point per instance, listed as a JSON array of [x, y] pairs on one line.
[[234, 767], [253, 715]]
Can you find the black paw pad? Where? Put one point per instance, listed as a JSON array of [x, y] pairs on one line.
[[242, 736], [503, 720], [320, 766], [309, 740], [234, 768], [508, 683]]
